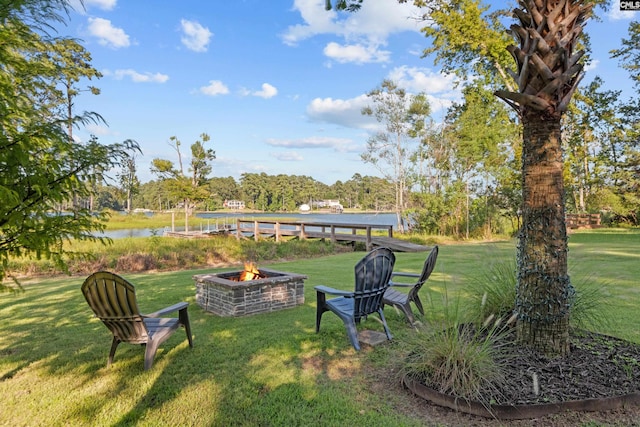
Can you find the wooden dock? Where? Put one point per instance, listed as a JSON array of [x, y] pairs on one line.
[[195, 233], [336, 232]]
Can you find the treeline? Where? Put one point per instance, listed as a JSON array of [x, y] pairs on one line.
[[268, 193]]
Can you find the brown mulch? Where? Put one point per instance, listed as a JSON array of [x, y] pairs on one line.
[[598, 366]]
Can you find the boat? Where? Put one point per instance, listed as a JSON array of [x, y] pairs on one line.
[[304, 208]]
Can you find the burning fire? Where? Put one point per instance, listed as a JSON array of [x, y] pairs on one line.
[[250, 272]]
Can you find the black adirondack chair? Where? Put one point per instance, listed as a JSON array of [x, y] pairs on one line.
[[372, 276], [113, 300], [402, 300]]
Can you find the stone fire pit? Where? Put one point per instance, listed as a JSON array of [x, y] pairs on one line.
[[223, 294]]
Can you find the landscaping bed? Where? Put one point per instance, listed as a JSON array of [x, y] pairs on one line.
[[602, 373]]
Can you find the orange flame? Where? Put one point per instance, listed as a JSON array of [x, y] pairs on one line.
[[250, 272]]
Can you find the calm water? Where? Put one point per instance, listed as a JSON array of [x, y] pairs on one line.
[[207, 221]]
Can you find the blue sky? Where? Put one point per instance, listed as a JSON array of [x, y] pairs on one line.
[[277, 85]]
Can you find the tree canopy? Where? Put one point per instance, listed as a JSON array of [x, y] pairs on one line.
[[41, 167]]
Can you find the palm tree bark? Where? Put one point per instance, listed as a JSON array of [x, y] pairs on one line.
[[547, 74], [544, 293]]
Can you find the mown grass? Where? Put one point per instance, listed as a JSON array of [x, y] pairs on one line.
[[267, 370]]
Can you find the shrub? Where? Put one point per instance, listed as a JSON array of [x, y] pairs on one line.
[[492, 291], [461, 359], [591, 305]]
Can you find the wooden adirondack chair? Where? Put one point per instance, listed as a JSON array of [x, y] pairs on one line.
[[372, 275], [402, 300], [113, 300]]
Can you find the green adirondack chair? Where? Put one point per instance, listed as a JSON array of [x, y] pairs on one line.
[[372, 275], [113, 300]]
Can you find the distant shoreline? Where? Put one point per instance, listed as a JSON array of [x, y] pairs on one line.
[[320, 211]]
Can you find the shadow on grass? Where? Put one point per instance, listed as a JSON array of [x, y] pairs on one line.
[[267, 368]]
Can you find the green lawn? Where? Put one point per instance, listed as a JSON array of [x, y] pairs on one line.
[[269, 369]]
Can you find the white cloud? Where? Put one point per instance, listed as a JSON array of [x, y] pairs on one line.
[[316, 19], [267, 91], [348, 112], [196, 37], [288, 156], [356, 53], [593, 65], [363, 31], [215, 87], [107, 34], [440, 88], [342, 112], [615, 14], [417, 79], [337, 144], [137, 77]]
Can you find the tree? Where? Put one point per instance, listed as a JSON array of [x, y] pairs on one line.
[[222, 189], [402, 116], [40, 167], [629, 57], [350, 5], [467, 40], [200, 167], [177, 183], [629, 53], [481, 137], [593, 133], [129, 182], [548, 73], [73, 63]]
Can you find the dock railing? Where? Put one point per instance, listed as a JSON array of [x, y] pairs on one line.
[[583, 221], [310, 230]]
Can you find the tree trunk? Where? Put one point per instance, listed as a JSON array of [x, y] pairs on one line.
[[544, 293]]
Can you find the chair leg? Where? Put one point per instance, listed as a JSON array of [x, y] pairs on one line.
[[320, 308], [112, 353], [183, 315], [149, 354], [352, 332], [384, 323], [416, 300], [406, 309]]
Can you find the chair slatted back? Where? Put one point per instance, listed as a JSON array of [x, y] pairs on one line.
[[113, 300], [372, 276], [427, 269]]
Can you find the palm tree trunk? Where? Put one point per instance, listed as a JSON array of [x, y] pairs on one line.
[[543, 293]]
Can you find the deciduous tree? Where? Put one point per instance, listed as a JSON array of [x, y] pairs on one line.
[[177, 183], [40, 167], [390, 150]]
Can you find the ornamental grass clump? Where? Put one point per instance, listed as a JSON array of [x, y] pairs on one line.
[[460, 359], [492, 291], [591, 305]]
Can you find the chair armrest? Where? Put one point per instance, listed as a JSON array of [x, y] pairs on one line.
[[402, 274], [400, 284], [332, 291], [175, 307]]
